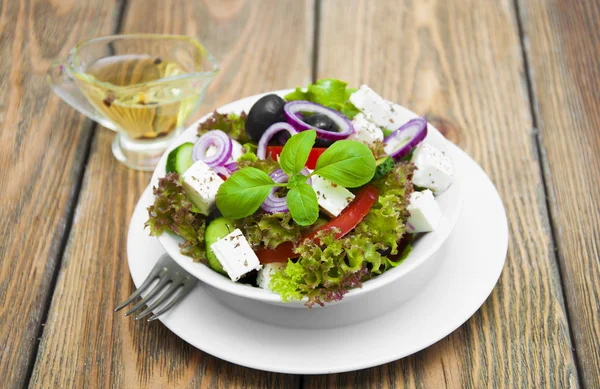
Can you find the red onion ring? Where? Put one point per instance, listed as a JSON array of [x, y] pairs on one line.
[[414, 130], [261, 153], [273, 204], [218, 139], [232, 166], [222, 171], [293, 108]]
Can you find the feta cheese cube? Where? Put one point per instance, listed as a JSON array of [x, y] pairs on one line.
[[433, 169], [266, 273], [201, 184], [425, 213], [235, 255], [332, 198], [376, 109], [364, 130], [400, 113]]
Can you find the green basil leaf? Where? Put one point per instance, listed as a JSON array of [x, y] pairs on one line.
[[295, 179], [295, 152], [303, 204], [243, 192], [347, 163]]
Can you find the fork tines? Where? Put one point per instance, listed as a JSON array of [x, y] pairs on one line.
[[173, 283]]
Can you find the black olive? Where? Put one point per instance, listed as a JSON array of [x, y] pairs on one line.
[[322, 122], [320, 142], [249, 278], [385, 252], [265, 112], [213, 214], [280, 138]]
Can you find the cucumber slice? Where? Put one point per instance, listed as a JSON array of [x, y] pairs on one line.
[[384, 166], [180, 158], [217, 229]]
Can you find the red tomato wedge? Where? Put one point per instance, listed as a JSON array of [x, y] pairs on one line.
[[314, 155], [346, 221]]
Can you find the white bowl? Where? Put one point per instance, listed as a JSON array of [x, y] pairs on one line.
[[393, 286]]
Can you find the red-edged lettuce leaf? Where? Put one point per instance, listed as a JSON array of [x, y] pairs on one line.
[[173, 212], [232, 124]]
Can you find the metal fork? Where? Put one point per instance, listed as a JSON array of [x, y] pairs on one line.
[[178, 284]]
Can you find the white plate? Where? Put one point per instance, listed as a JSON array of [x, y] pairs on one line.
[[471, 262], [423, 249]]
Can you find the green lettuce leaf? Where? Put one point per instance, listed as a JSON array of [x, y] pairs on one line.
[[390, 263], [173, 212], [324, 272], [269, 230], [385, 223], [248, 156], [232, 124], [250, 148], [268, 165], [329, 92]]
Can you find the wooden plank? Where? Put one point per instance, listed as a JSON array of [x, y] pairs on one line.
[[564, 42], [460, 64], [43, 148], [85, 344]]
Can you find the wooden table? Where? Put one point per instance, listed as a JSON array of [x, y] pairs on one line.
[[515, 83]]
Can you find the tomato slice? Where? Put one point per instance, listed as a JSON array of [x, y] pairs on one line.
[[352, 214], [280, 253], [346, 221], [311, 163]]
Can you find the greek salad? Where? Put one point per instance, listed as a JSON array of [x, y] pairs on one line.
[[308, 195]]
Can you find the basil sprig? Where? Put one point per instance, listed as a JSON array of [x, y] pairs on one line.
[[347, 163]]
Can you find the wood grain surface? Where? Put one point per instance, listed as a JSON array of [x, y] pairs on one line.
[[86, 345], [43, 148], [563, 50], [513, 82], [461, 63]]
